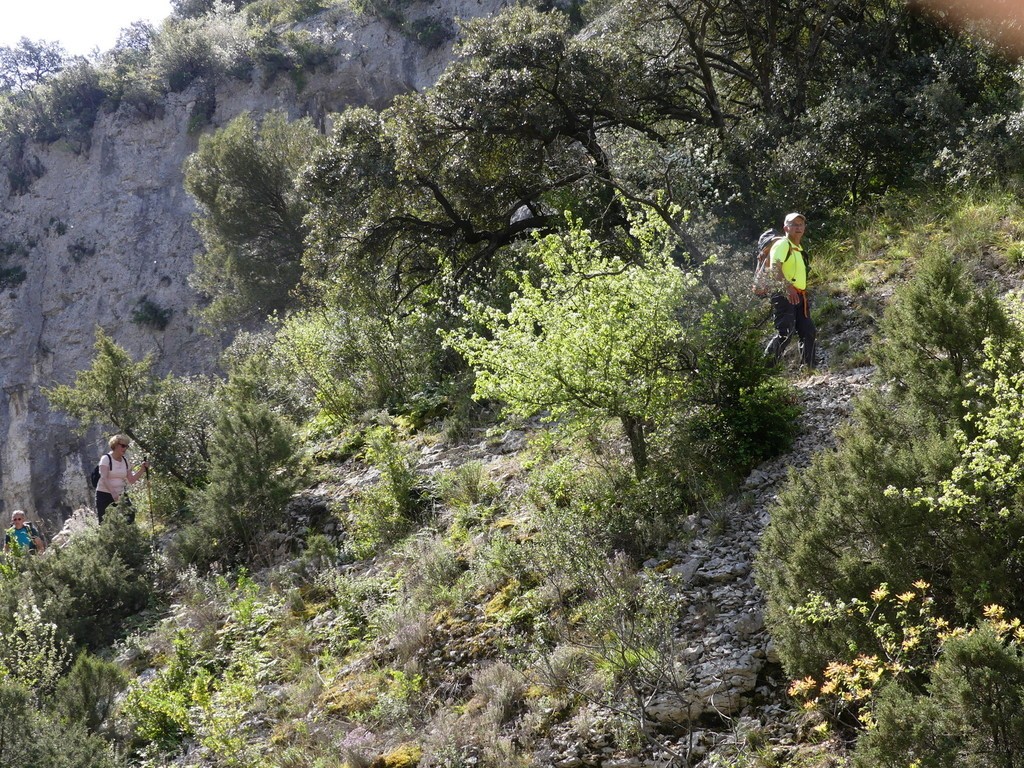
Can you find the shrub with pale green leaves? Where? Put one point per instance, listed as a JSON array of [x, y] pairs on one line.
[[589, 335], [32, 653]]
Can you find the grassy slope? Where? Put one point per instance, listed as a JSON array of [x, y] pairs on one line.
[[434, 644]]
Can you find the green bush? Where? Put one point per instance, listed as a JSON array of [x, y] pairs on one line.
[[387, 510], [253, 473], [588, 511], [392, 11], [351, 607], [271, 13], [295, 52], [931, 337], [158, 710], [11, 277], [191, 9], [126, 73], [181, 55], [466, 485], [431, 31], [89, 692], [31, 737], [969, 714], [203, 48], [32, 654], [150, 314], [210, 688], [96, 584], [908, 495], [71, 102], [203, 108], [737, 413]]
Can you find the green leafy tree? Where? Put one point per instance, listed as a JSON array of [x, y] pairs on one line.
[[115, 390], [125, 73], [251, 220], [24, 68], [428, 199], [200, 50], [29, 64], [170, 419], [588, 336], [790, 98]]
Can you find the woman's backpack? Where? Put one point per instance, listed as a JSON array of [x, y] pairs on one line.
[[94, 476]]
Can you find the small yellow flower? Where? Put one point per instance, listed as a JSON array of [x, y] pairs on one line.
[[905, 597], [921, 584], [802, 687], [881, 593], [994, 611]]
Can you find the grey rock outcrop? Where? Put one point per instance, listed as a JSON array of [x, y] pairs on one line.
[[102, 230]]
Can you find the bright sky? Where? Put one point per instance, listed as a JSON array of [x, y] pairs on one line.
[[78, 25]]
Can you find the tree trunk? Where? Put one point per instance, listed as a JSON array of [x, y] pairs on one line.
[[636, 433]]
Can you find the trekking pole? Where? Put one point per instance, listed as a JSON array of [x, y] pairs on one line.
[[149, 493]]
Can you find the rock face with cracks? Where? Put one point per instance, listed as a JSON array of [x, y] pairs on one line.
[[107, 230]]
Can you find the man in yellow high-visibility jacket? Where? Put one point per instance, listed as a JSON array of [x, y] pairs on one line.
[[791, 306]]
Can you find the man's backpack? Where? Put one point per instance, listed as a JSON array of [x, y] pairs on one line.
[[94, 476], [765, 279]]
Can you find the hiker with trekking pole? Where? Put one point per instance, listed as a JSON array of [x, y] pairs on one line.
[[112, 476], [791, 307]]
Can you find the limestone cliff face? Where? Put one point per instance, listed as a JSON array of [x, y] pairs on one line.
[[104, 233]]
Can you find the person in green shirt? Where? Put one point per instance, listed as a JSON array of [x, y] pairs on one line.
[[790, 306], [23, 536]]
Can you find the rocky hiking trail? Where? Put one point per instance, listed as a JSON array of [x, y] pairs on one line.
[[733, 684]]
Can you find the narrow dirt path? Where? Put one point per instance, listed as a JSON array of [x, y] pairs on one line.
[[733, 684]]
